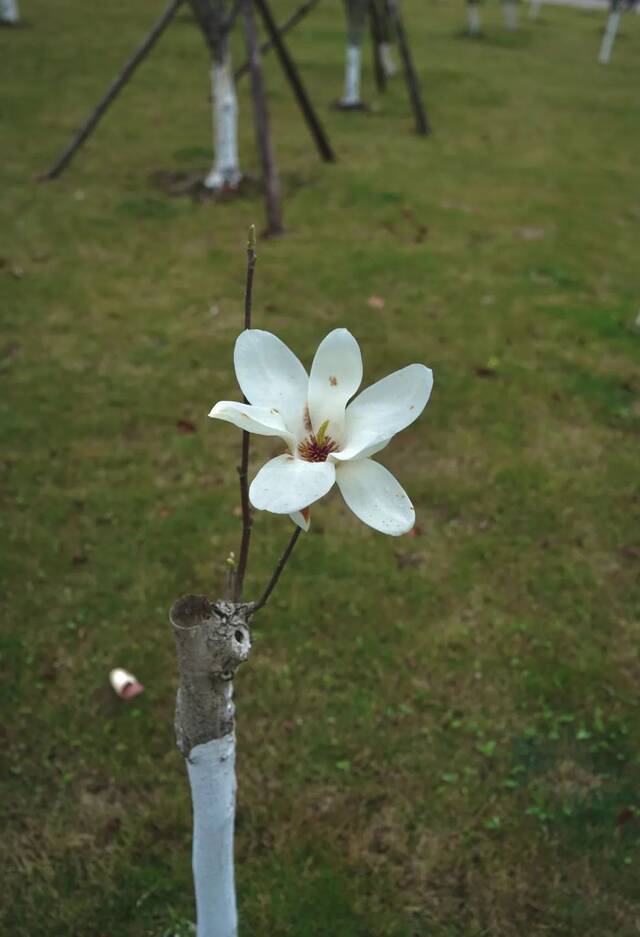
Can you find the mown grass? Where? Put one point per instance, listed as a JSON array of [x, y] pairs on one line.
[[438, 735]]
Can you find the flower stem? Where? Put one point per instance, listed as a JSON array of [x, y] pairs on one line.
[[262, 601], [243, 469]]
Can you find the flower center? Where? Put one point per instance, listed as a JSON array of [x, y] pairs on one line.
[[316, 447]]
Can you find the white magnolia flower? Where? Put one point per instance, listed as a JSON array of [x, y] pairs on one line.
[[328, 439]]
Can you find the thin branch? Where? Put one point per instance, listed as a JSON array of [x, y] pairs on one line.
[[243, 468], [262, 601]]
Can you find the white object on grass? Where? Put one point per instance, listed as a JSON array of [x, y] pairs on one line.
[[351, 94], [329, 439], [211, 768], [609, 37], [124, 684], [226, 170], [9, 11]]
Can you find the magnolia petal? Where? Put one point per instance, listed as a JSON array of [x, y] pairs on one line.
[[302, 519], [374, 495], [336, 374], [286, 485], [270, 375], [385, 408], [260, 420]]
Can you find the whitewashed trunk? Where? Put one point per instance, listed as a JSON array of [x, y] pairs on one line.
[[225, 173], [386, 57], [473, 19], [510, 13], [212, 776], [609, 37], [9, 11], [351, 94], [534, 9]]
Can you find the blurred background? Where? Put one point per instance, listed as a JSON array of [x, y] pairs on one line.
[[438, 734]]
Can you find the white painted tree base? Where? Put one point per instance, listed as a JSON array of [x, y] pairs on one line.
[[212, 776], [9, 12], [534, 9], [351, 96], [225, 173], [510, 13], [609, 37], [473, 19], [388, 62]]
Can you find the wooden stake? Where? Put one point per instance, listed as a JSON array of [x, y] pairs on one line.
[[376, 39], [422, 124], [290, 70], [263, 138], [288, 24], [138, 56]]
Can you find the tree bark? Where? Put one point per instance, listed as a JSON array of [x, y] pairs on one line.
[[225, 173], [212, 640], [356, 21]]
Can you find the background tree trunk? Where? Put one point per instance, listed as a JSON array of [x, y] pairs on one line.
[[610, 32], [356, 21], [9, 11]]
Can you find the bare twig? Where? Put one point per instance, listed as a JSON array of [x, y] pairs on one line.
[[243, 468], [282, 562]]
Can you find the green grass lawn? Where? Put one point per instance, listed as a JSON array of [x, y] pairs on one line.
[[438, 735]]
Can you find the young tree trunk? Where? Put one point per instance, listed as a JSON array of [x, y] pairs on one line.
[[609, 37], [225, 173], [534, 9], [510, 14], [473, 18], [9, 11], [356, 21], [212, 640], [214, 21]]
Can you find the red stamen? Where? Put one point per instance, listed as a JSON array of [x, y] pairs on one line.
[[313, 451]]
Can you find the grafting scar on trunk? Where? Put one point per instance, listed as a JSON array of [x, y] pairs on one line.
[[212, 640]]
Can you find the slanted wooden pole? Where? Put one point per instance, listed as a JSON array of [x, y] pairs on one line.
[[115, 88], [422, 124], [320, 138], [376, 43], [263, 137], [283, 29]]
